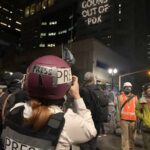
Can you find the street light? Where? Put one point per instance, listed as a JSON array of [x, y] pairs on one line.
[[112, 71]]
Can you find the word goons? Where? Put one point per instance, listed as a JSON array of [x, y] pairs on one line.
[[10, 144], [62, 75]]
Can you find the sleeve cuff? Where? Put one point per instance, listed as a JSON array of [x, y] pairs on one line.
[[79, 103]]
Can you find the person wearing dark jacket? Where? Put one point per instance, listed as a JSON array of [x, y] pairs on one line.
[[11, 95], [87, 92], [14, 90]]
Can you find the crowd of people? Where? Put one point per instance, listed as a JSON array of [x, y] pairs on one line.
[[47, 108]]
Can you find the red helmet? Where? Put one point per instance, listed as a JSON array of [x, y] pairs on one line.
[[48, 77]]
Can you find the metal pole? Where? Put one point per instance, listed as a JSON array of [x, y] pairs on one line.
[[119, 82], [112, 80], [62, 51], [127, 74]]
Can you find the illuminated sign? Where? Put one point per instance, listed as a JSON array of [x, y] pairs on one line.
[[93, 10]]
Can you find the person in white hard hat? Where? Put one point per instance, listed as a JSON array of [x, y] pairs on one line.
[[126, 116]]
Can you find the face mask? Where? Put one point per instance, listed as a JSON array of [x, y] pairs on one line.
[[148, 92], [127, 90]]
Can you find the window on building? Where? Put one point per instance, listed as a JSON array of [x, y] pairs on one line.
[[70, 41], [38, 6], [17, 22], [148, 52], [50, 2], [2, 23], [52, 23], [109, 36], [101, 64], [5, 9], [33, 9], [44, 4], [51, 45], [62, 32], [27, 11], [43, 34], [71, 16], [52, 34], [71, 28], [41, 45], [17, 29], [44, 23]]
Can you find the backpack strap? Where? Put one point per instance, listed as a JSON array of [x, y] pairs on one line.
[[2, 94], [4, 107], [56, 124], [5, 103]]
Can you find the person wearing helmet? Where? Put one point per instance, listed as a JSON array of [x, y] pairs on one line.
[[14, 90], [40, 123], [143, 113], [126, 117]]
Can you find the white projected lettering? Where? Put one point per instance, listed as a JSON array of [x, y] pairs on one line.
[[93, 10]]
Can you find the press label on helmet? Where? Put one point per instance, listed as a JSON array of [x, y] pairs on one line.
[[63, 75]]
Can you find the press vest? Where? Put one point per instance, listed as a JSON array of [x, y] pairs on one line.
[[18, 137], [128, 111]]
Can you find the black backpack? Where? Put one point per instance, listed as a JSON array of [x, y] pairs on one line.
[[18, 134], [96, 101]]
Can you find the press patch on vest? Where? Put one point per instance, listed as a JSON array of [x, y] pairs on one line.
[[62, 75], [11, 144]]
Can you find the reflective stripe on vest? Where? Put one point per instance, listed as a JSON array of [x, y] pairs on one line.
[[128, 111]]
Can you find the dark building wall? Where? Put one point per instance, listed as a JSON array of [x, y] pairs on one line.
[[130, 29], [123, 39]]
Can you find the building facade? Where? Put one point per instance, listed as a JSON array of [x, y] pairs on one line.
[[122, 25], [10, 23], [48, 23]]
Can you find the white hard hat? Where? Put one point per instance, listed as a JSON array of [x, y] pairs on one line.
[[127, 84]]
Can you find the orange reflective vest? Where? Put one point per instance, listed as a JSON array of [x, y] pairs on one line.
[[128, 111]]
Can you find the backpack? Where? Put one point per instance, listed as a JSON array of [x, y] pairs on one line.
[[96, 101], [17, 135]]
